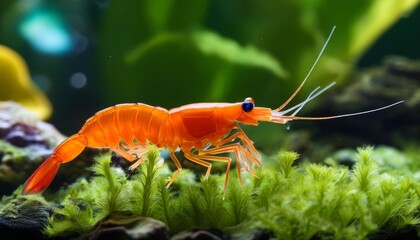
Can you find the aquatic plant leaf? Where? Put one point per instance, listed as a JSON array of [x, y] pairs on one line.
[[213, 202], [211, 43], [159, 40], [286, 160], [238, 203], [375, 15], [145, 185], [165, 210], [16, 84], [72, 216], [359, 24], [109, 188]]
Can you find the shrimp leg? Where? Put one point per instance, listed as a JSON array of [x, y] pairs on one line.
[[243, 151], [177, 164], [199, 159], [240, 152], [124, 153], [132, 154], [139, 161], [249, 146]]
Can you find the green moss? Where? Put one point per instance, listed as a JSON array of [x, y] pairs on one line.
[[292, 201], [73, 216], [12, 160], [145, 186]]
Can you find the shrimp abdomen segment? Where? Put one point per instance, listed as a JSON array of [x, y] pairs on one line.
[[154, 126], [101, 130], [70, 148], [124, 122]]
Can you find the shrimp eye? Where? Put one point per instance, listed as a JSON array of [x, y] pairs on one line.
[[247, 106]]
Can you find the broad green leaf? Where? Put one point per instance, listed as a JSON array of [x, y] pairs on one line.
[[210, 43], [227, 49], [158, 41]]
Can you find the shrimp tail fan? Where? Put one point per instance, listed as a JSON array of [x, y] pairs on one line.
[[43, 176]]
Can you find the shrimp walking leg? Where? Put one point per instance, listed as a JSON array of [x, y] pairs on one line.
[[249, 145], [196, 159], [131, 152], [138, 150], [124, 153], [137, 163], [177, 164], [199, 159], [242, 156]]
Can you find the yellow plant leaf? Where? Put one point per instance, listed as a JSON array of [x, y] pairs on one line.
[[16, 84]]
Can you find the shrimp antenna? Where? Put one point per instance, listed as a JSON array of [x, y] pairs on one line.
[[288, 118], [309, 73], [315, 93]]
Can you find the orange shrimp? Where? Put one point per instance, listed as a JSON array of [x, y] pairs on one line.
[[202, 131]]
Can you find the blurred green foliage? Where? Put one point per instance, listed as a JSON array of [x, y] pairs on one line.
[[171, 53]]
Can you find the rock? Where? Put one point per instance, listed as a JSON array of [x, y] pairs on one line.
[[346, 157], [23, 217], [201, 234], [254, 235], [397, 79], [17, 120], [131, 228], [403, 67], [25, 142]]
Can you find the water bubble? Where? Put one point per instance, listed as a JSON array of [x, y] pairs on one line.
[[78, 80]]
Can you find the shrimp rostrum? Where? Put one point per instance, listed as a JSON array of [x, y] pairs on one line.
[[202, 131]]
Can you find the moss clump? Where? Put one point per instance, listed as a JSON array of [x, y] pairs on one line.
[[293, 202], [73, 216]]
